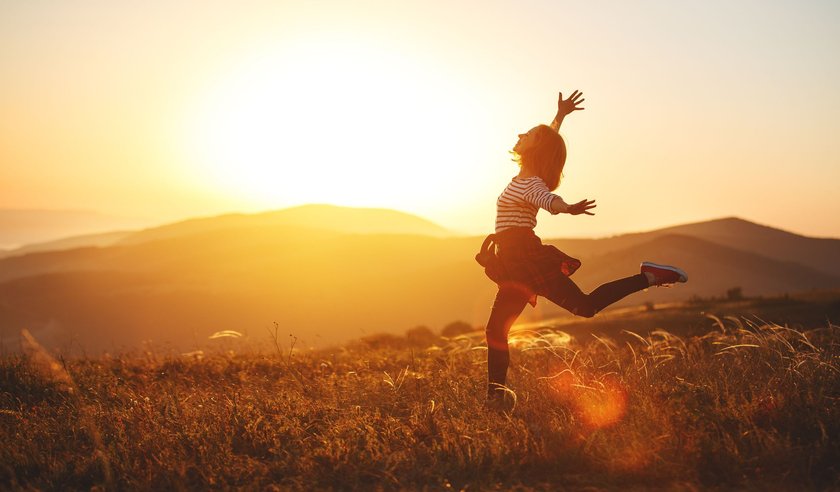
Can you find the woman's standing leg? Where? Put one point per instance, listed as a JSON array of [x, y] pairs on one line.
[[509, 303], [565, 293]]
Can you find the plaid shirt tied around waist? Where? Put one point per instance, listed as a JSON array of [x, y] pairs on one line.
[[516, 257]]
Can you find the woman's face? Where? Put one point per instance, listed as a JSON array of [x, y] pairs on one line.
[[526, 141]]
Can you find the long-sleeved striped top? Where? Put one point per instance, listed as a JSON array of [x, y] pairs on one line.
[[518, 204]]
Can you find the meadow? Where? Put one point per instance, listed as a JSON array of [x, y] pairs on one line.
[[746, 405]]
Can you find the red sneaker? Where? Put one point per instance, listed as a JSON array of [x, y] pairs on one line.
[[664, 274]]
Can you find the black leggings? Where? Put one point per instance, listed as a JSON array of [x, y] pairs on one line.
[[510, 301]]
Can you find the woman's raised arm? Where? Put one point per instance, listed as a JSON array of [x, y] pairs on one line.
[[566, 106]]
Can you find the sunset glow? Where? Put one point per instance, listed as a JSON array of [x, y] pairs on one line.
[[288, 245], [414, 106], [328, 120]]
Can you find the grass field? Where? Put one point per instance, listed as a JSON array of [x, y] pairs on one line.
[[747, 405]]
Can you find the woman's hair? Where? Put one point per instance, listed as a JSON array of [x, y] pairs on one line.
[[546, 157]]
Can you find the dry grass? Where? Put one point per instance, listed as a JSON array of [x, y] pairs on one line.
[[746, 406]]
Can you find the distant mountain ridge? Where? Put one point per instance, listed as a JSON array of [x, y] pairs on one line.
[[712, 268], [20, 227], [820, 254], [329, 274], [329, 217], [72, 242], [817, 253]]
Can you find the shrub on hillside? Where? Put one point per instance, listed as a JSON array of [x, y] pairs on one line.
[[456, 328], [383, 341], [421, 336]]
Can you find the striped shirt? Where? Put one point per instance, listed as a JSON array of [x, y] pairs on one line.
[[518, 204]]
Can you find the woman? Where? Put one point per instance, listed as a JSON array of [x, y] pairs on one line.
[[523, 267]]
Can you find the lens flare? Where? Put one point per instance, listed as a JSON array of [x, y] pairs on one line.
[[603, 407], [599, 404]]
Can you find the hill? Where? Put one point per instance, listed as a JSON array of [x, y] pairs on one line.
[[712, 268], [183, 282], [23, 227], [319, 285], [820, 254], [73, 242], [327, 217]]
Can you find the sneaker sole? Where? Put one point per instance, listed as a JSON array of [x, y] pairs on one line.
[[678, 271]]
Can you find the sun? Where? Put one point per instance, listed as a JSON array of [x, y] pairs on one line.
[[334, 121]]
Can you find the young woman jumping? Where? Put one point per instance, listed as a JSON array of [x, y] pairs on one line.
[[524, 268]]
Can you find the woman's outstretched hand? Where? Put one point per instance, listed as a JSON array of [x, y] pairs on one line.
[[566, 106], [582, 207]]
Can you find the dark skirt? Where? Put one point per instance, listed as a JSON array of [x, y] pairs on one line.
[[517, 258]]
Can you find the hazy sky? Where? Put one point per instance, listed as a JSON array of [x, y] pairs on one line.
[[694, 110]]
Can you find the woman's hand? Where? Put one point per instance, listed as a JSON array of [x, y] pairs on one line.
[[582, 207], [566, 106]]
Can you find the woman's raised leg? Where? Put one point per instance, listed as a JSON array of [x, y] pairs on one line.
[[566, 294]]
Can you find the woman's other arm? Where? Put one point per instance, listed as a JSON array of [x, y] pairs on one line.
[[566, 106], [581, 207], [537, 194]]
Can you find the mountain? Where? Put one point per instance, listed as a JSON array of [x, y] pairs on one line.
[[328, 217], [323, 286], [712, 268], [200, 235], [329, 274], [21, 227], [73, 242], [820, 254], [342, 219]]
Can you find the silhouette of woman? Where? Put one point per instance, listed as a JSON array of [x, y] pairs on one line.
[[524, 268]]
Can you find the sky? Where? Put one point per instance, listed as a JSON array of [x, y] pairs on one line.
[[167, 110]]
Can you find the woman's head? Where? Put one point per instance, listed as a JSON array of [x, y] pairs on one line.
[[542, 152]]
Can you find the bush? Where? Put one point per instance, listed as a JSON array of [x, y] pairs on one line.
[[734, 294], [421, 336], [383, 340], [456, 328]]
